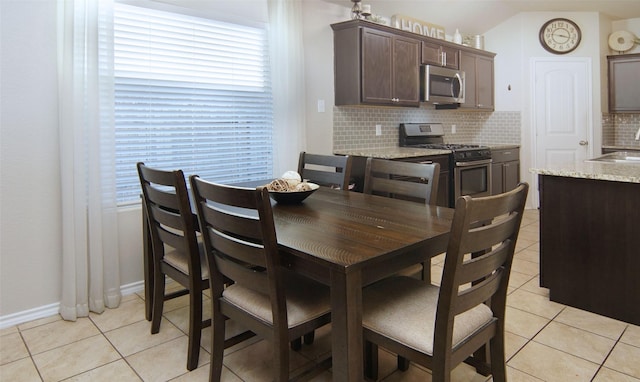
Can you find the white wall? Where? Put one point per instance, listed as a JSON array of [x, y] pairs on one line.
[[318, 55], [30, 234]]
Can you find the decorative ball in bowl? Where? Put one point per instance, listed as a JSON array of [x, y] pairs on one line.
[[291, 195]]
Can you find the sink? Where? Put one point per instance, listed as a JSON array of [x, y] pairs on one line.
[[619, 157]]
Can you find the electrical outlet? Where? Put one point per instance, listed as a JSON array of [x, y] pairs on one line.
[[453, 129], [378, 129], [320, 106]]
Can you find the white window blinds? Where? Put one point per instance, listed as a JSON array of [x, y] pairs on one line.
[[190, 93]]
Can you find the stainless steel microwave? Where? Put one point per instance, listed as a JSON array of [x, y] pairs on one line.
[[441, 85]]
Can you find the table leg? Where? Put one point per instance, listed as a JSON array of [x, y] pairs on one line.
[[346, 326]]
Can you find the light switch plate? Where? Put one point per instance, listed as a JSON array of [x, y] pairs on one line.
[[378, 129], [320, 106]]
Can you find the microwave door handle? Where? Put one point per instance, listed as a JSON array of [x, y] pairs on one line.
[[461, 85]]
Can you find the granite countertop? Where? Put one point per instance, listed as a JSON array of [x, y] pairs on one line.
[[618, 172], [392, 153]]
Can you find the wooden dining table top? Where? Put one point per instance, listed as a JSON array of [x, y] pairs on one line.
[[346, 230]]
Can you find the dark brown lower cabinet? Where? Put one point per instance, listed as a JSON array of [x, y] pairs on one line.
[[589, 245]]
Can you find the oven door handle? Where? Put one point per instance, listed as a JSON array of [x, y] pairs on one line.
[[426, 162], [474, 163]]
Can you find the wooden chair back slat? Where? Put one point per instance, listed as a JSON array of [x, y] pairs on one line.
[[326, 170], [479, 267], [478, 293], [415, 181], [240, 250]]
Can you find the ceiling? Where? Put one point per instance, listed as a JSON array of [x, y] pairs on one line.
[[479, 16]]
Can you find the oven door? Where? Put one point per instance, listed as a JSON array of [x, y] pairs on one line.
[[472, 178]]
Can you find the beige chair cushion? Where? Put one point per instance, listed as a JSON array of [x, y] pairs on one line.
[[178, 260], [306, 300], [404, 309]]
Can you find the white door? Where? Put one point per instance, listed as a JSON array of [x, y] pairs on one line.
[[562, 110]]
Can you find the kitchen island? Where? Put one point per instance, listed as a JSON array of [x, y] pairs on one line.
[[590, 237]]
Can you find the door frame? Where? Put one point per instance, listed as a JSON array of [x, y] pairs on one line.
[[534, 62]]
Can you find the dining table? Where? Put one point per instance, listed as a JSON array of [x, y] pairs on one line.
[[348, 240]]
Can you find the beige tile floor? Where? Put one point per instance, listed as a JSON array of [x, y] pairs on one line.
[[545, 341]]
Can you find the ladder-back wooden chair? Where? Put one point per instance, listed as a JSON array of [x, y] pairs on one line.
[[240, 241], [175, 249], [441, 327]]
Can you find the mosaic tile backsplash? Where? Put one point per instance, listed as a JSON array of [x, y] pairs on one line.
[[355, 127], [620, 130]]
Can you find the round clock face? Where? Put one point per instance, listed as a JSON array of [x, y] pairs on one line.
[[560, 36]]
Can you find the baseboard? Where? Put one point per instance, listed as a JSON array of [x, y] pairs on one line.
[[29, 315], [53, 309]]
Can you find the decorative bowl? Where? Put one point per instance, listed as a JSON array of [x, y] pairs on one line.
[[292, 197]]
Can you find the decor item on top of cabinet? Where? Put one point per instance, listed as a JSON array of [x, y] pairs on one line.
[[560, 36], [621, 41], [418, 26]]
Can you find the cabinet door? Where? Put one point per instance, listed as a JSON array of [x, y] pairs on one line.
[[511, 172], [436, 54], [431, 54], [452, 57], [484, 82], [468, 66], [497, 179], [478, 71], [406, 71], [376, 66], [624, 84]]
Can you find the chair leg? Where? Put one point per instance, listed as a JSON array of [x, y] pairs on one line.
[[498, 368], [370, 360], [217, 346], [309, 337], [158, 301], [403, 363], [195, 328], [296, 344], [281, 359]]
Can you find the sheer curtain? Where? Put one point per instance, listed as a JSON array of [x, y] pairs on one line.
[[287, 68], [90, 268]]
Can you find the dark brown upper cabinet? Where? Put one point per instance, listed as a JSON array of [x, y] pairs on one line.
[[479, 80], [375, 67], [440, 55], [376, 64], [624, 83]]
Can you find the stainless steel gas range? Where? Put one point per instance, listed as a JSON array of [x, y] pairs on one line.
[[469, 165]]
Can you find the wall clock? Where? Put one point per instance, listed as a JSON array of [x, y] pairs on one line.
[[560, 36]]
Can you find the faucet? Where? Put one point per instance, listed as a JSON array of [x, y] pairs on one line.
[[638, 135]]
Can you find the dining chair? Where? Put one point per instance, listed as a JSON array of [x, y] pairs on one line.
[[417, 182], [176, 251], [241, 244], [326, 170], [440, 327]]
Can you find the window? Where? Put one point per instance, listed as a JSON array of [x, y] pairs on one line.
[[190, 93]]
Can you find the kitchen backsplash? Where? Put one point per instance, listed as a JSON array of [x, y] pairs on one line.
[[620, 130], [355, 127]]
